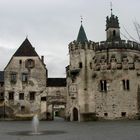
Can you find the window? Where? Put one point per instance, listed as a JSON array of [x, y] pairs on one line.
[[114, 33], [103, 85], [11, 95], [32, 95], [90, 64], [1, 96], [22, 108], [126, 84], [123, 114], [80, 65], [123, 83], [105, 114], [24, 77], [13, 77], [1, 84], [21, 96], [20, 62], [30, 63]]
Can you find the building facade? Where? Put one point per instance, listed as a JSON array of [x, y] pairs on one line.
[[102, 81], [103, 78], [24, 84]]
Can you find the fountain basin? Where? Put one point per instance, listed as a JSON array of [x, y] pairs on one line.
[[29, 133]]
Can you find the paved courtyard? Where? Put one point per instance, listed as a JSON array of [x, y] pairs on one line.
[[61, 130]]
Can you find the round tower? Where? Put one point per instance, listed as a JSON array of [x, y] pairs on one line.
[[81, 52]]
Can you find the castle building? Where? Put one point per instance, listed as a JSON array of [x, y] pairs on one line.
[[103, 78], [25, 79], [26, 90]]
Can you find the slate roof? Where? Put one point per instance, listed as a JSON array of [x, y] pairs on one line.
[[26, 49], [1, 76], [56, 82], [82, 35]]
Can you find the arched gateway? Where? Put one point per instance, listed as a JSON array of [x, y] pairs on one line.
[[75, 114]]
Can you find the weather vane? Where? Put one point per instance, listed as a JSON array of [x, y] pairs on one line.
[[27, 36], [81, 19], [111, 7]]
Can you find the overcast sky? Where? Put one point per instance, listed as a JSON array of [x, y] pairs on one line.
[[52, 24]]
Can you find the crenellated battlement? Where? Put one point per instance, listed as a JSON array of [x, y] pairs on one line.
[[122, 44], [78, 45]]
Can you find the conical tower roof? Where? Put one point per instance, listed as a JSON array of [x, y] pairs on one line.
[[82, 35], [26, 49]]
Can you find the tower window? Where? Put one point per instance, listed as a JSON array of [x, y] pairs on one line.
[[103, 85], [114, 33], [80, 65], [105, 114], [126, 84], [90, 64], [123, 114], [123, 83]]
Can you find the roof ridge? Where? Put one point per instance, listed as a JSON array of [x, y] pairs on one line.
[[26, 49]]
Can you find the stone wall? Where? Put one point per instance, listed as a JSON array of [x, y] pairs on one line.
[[111, 67], [33, 81]]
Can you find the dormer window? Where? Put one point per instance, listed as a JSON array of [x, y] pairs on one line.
[[30, 63]]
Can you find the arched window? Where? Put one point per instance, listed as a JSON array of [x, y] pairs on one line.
[[30, 63], [114, 33]]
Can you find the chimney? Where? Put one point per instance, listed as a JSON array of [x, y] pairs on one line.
[[42, 58]]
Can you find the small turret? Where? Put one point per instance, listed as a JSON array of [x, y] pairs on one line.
[[112, 28]]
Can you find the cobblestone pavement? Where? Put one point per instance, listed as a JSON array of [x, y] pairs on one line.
[[62, 130]]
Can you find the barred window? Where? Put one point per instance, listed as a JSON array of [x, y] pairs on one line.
[[32, 95]]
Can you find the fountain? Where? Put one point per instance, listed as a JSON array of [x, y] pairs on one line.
[[35, 125], [35, 130]]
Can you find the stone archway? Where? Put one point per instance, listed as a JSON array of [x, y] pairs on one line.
[[75, 114]]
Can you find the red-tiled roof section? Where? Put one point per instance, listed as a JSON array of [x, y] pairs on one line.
[[26, 49]]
